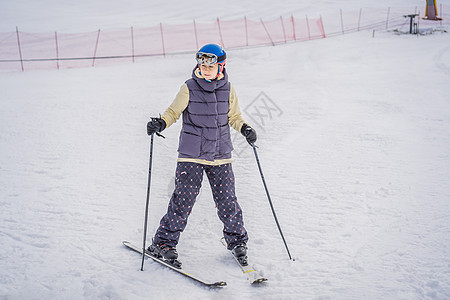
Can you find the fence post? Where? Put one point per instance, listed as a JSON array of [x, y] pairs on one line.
[[342, 21], [293, 26], [321, 25], [307, 26], [284, 31], [359, 19], [196, 35], [132, 43], [418, 22], [20, 49], [270, 38], [96, 46], [220, 33], [246, 31], [162, 39], [387, 19], [57, 51]]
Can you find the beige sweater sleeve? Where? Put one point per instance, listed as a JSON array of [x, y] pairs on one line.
[[179, 104], [234, 113], [181, 101]]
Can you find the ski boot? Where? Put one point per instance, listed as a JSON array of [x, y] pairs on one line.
[[165, 253], [240, 252]]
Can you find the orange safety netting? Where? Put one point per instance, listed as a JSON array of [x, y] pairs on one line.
[[24, 51]]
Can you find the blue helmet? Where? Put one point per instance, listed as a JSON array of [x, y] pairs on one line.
[[211, 54]]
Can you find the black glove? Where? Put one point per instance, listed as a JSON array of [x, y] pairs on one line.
[[249, 133], [155, 125]]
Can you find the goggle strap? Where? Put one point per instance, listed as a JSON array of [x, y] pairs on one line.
[[220, 58]]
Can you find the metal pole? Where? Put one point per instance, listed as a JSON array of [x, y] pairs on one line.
[[196, 36], [284, 31], [387, 18], [96, 46], [162, 39], [270, 38], [246, 31], [359, 18], [270, 200], [323, 29], [147, 202], [220, 33], [20, 48], [410, 24], [307, 26], [57, 50], [293, 26], [132, 42]]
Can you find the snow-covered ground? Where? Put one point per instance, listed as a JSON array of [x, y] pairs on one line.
[[356, 156]]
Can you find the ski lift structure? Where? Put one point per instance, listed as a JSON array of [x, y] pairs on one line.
[[412, 23], [431, 12]]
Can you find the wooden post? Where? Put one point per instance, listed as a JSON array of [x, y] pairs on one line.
[[96, 46], [20, 48]]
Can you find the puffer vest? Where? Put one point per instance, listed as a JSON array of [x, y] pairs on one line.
[[206, 133]]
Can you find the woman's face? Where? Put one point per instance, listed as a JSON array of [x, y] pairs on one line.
[[209, 71]]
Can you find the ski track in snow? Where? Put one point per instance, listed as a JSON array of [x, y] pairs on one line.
[[357, 166]]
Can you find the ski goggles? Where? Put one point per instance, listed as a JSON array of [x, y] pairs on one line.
[[208, 58]]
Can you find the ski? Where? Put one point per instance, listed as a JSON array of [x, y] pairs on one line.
[[179, 270], [252, 275]]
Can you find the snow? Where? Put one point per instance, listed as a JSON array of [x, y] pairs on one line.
[[357, 162]]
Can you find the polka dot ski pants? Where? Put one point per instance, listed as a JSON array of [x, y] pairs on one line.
[[188, 180]]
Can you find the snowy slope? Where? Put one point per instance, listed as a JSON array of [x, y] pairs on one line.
[[356, 160]]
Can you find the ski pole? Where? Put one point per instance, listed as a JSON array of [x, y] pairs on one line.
[[270, 200], [147, 202]]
